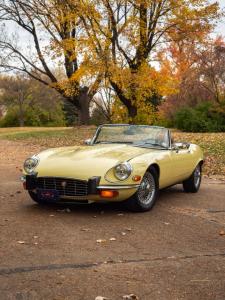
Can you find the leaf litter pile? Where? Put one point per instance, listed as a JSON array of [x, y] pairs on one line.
[[213, 144]]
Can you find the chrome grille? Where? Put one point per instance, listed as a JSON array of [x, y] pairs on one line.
[[65, 186]]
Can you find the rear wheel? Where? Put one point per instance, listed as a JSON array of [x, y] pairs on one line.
[[145, 197], [192, 184]]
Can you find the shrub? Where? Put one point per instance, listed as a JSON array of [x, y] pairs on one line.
[[34, 116], [206, 117]]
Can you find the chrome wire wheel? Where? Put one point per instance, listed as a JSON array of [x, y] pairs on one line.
[[197, 176], [147, 189]]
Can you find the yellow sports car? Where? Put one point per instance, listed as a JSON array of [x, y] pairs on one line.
[[129, 163]]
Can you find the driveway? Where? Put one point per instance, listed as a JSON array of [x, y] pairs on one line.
[[176, 251]]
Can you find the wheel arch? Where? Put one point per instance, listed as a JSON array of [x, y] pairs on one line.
[[200, 162], [156, 167]]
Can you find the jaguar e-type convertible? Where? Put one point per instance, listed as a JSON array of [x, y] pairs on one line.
[[122, 162]]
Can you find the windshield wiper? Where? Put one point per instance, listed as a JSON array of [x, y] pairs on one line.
[[112, 142], [150, 144]]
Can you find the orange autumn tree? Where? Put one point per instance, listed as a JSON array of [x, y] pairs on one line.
[[180, 59], [199, 69]]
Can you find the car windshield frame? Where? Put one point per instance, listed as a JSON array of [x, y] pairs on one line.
[[95, 141]]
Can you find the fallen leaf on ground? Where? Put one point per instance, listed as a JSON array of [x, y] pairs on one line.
[[130, 297], [222, 232], [101, 298], [112, 239], [21, 242], [123, 233], [101, 241], [128, 229], [85, 229]]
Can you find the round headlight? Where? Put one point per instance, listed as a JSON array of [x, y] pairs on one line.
[[30, 164], [123, 171]]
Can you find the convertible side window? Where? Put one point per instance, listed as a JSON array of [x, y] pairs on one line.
[[167, 139], [162, 138]]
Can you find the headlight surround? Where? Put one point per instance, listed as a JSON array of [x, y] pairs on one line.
[[30, 164], [123, 170]]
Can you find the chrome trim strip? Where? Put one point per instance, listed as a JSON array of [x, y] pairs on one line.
[[118, 187], [63, 177]]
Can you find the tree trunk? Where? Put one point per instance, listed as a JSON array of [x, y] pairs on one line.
[[132, 113], [132, 110], [81, 102], [84, 103]]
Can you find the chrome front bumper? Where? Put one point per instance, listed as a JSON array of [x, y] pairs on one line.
[[118, 187]]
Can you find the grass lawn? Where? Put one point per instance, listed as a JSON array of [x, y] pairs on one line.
[[213, 144]]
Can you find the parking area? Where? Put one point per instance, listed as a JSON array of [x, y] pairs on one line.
[[176, 251]]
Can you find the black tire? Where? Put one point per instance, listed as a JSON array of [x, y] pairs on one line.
[[138, 202], [34, 197], [192, 184]]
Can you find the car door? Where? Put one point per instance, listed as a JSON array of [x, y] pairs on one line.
[[176, 162], [181, 162]]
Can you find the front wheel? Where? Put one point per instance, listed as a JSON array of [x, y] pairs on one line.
[[192, 184], [145, 197]]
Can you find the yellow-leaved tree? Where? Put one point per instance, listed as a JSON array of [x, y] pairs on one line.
[[136, 32]]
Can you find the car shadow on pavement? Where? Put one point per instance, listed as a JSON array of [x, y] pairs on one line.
[[100, 208]]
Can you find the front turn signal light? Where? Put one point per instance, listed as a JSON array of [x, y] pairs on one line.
[[136, 178], [108, 194]]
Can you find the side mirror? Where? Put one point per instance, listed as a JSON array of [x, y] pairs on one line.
[[87, 142], [180, 146], [175, 148]]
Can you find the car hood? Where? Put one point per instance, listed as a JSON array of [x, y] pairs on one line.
[[83, 162]]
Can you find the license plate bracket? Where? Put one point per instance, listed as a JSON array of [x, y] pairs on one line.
[[48, 195]]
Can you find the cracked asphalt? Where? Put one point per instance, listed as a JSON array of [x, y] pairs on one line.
[[176, 251]]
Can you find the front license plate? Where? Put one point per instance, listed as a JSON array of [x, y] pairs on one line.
[[48, 195]]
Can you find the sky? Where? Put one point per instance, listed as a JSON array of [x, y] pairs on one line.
[[220, 29]]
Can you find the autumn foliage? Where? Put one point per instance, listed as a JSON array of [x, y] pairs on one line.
[[144, 50]]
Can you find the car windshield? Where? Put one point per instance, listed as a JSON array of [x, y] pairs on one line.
[[137, 135]]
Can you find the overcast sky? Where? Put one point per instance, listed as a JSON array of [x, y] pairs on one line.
[[221, 26]]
